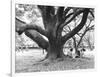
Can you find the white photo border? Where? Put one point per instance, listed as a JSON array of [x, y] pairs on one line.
[[53, 73]]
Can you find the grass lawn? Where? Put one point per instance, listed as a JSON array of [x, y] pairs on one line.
[[25, 62]]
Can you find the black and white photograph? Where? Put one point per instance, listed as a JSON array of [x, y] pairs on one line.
[[53, 38], [50, 38]]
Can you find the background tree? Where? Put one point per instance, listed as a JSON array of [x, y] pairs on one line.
[[54, 20], [89, 40]]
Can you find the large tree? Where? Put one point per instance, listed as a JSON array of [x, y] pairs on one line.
[[54, 20]]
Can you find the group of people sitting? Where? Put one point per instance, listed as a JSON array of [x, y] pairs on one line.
[[73, 54]]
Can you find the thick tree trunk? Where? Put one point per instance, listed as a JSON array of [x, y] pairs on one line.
[[77, 52], [55, 51]]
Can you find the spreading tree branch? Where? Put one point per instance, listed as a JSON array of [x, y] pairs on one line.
[[86, 30], [75, 14], [78, 28], [19, 25], [90, 28], [91, 12], [35, 36], [17, 19], [37, 28], [64, 23], [74, 40], [67, 10], [81, 38], [22, 26]]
